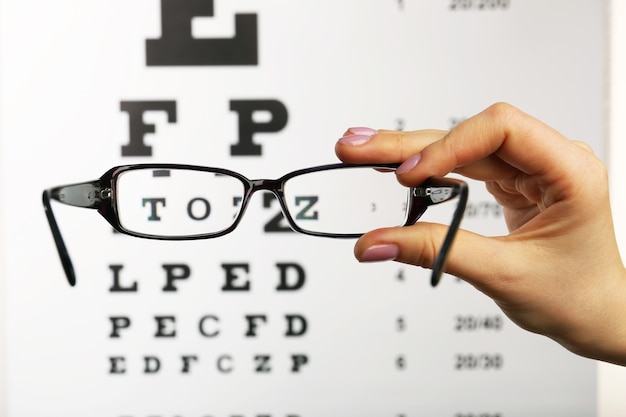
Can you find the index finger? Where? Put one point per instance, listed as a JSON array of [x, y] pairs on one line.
[[363, 145], [495, 144]]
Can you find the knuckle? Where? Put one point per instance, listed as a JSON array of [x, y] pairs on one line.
[[501, 110], [424, 254], [583, 145]]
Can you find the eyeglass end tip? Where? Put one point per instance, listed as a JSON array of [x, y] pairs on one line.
[[435, 278], [71, 276]]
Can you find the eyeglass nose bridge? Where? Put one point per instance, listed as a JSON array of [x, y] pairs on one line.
[[265, 184], [275, 186]]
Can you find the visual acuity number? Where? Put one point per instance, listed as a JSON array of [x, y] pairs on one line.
[[483, 209], [471, 323], [479, 4], [478, 415], [473, 362]]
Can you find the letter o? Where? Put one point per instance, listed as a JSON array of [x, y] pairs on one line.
[[205, 203]]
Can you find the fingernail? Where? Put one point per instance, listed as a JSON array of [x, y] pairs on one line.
[[359, 136], [379, 253], [362, 131], [409, 164]]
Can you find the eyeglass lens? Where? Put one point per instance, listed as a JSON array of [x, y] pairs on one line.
[[184, 202], [346, 201], [177, 202]]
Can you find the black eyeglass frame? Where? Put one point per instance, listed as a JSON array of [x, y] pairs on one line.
[[100, 195]]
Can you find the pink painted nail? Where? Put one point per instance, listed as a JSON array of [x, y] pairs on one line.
[[354, 140], [409, 164], [379, 253], [362, 131], [359, 136]]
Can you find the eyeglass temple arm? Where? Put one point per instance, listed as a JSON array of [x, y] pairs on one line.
[[86, 195], [438, 190]]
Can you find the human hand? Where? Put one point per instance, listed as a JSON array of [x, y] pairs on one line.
[[558, 272]]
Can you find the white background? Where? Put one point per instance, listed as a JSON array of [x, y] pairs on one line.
[[612, 379]]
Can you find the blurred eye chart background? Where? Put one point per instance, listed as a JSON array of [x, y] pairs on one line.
[[266, 322]]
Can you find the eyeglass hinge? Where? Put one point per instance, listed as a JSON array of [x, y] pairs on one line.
[[436, 194], [105, 194], [421, 191]]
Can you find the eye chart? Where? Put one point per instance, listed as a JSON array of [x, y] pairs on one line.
[[264, 321]]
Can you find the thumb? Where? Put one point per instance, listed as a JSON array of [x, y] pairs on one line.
[[474, 258]]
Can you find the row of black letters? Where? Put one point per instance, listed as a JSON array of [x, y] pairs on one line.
[[224, 364], [236, 277], [399, 415], [247, 125], [211, 415], [296, 325]]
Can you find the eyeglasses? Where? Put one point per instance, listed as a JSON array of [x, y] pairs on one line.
[[185, 202]]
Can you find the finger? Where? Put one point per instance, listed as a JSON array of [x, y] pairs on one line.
[[363, 145], [499, 141], [482, 261]]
